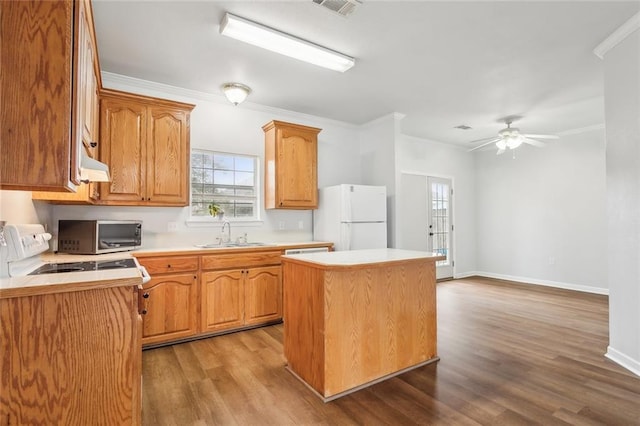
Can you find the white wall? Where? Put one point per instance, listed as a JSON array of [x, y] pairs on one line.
[[16, 207], [218, 125], [622, 115], [424, 157], [541, 216], [378, 164]]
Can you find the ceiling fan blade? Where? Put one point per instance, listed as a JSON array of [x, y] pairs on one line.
[[534, 142], [494, 140], [500, 151], [542, 136]]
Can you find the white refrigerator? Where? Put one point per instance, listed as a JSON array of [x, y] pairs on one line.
[[352, 217]]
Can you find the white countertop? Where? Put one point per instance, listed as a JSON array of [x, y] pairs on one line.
[[363, 257], [48, 283], [45, 283]]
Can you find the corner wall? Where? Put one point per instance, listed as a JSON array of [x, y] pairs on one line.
[[622, 114], [378, 162]]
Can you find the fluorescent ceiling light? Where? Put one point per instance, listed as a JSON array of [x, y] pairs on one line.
[[285, 44]]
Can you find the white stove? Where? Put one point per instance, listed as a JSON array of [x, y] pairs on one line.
[[26, 242]]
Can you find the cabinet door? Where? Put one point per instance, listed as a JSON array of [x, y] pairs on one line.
[[38, 142], [122, 135], [90, 100], [70, 358], [85, 60], [297, 169], [167, 156], [263, 295], [222, 300], [171, 308]]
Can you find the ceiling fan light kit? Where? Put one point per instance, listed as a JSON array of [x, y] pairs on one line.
[[511, 138], [285, 44]]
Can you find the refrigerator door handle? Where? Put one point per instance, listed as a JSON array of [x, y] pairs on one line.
[[348, 237]]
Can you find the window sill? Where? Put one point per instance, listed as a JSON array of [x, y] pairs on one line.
[[207, 223]]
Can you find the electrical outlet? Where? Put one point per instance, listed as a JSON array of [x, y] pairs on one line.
[[172, 226], [281, 225], [300, 224]]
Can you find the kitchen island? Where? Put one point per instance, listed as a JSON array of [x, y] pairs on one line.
[[355, 318]]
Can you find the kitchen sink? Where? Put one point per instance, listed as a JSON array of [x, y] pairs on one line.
[[223, 245]]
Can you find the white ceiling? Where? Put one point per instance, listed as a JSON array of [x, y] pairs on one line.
[[440, 63]]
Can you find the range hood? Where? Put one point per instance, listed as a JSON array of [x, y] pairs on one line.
[[92, 170]]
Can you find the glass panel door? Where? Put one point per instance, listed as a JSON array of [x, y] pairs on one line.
[[440, 223]]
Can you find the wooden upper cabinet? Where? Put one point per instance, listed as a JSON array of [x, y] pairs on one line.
[[123, 135], [166, 148], [291, 166], [145, 142], [86, 103], [89, 75], [40, 145]]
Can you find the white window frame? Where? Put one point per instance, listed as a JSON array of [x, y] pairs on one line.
[[195, 221]]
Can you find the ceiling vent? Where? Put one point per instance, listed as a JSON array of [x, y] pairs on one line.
[[341, 7]]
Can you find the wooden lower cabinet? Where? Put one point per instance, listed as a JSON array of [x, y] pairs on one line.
[[262, 295], [172, 298], [239, 297], [171, 308], [190, 296], [222, 299], [71, 358]]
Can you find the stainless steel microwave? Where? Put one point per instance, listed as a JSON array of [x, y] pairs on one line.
[[98, 236]]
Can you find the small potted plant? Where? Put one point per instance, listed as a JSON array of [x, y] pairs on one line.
[[216, 210]]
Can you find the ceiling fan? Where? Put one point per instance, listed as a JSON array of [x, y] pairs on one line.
[[511, 138]]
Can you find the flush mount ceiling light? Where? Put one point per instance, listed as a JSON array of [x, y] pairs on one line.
[[285, 44], [236, 93]]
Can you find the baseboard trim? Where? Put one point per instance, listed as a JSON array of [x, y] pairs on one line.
[[534, 281], [623, 360]]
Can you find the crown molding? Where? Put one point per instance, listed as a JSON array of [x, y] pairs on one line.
[[617, 36], [580, 130]]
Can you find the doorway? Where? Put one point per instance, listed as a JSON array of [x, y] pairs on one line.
[[426, 218], [439, 219]]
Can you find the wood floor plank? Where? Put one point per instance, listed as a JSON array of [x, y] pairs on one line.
[[511, 354]]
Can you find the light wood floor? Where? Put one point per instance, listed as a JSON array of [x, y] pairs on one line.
[[511, 354]]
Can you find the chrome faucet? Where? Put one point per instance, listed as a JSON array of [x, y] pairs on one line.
[[223, 240]]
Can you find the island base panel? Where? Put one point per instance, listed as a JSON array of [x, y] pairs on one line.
[[346, 327]]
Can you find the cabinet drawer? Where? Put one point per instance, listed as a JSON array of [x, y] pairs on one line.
[[162, 265], [240, 260]]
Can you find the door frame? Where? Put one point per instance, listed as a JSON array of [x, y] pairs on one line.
[[443, 271], [426, 175]]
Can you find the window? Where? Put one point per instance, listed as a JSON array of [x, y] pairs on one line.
[[227, 180]]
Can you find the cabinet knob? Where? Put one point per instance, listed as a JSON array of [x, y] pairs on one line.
[[143, 312], [145, 295], [169, 266], [93, 144]]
